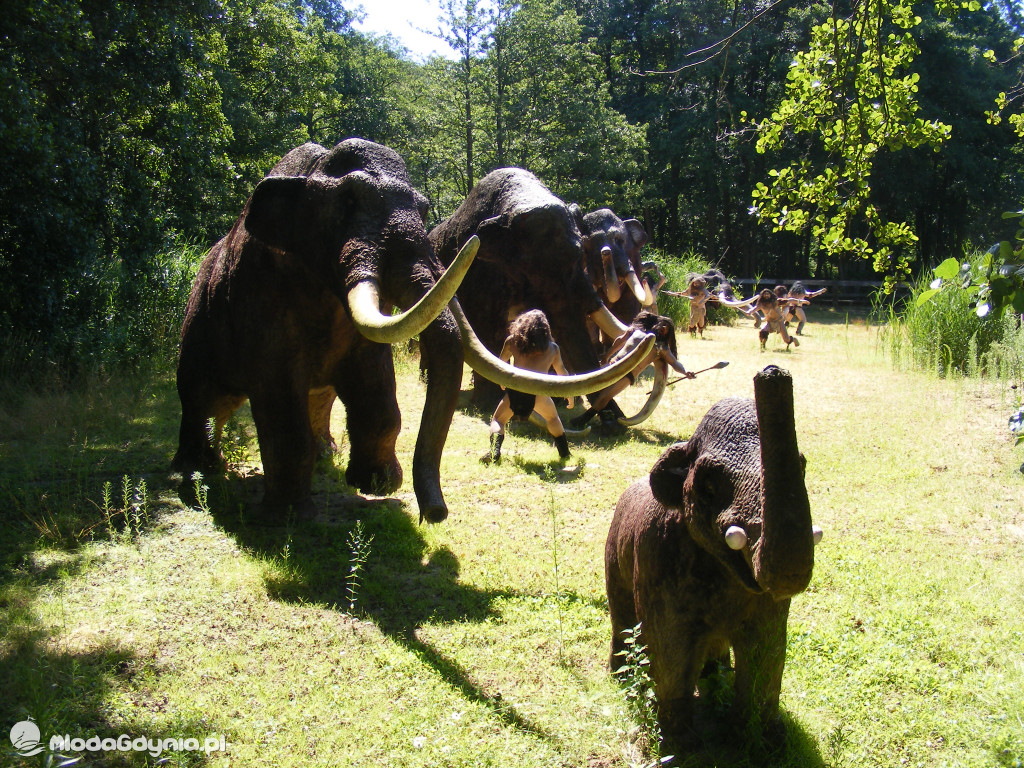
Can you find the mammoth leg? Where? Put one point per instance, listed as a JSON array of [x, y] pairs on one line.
[[677, 653], [287, 449], [760, 659], [321, 401], [367, 389], [198, 449], [623, 615]]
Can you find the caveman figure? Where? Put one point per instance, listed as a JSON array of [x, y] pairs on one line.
[[769, 304], [698, 296], [798, 291], [663, 354], [530, 346]]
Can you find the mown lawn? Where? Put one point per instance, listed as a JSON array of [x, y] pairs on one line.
[[483, 640]]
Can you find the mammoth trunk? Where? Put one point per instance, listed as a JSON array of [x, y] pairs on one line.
[[442, 349], [784, 556], [611, 277]]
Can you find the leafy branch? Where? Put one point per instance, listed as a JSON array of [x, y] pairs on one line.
[[854, 93]]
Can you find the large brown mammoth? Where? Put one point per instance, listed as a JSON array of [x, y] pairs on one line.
[[530, 257], [293, 308], [707, 551]]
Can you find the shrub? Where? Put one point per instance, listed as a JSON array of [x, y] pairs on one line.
[[129, 323], [677, 270], [941, 330]]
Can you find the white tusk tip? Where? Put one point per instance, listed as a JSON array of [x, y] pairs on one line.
[[816, 533], [736, 537]]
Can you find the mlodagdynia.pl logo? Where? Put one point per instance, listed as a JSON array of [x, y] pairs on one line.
[[25, 738]]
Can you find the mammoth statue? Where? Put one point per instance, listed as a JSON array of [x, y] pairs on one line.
[[707, 551], [530, 257], [613, 262], [293, 308]]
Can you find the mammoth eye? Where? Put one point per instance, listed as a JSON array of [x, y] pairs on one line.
[[709, 487]]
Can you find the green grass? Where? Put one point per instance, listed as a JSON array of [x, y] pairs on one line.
[[465, 646]]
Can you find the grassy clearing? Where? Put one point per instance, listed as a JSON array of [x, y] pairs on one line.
[[483, 640]]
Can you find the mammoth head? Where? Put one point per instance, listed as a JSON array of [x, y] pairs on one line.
[[612, 247], [352, 216], [739, 482]]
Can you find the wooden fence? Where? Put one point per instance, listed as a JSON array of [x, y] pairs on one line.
[[840, 292]]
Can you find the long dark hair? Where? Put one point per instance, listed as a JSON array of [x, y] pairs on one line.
[[530, 332], [767, 299], [662, 327]]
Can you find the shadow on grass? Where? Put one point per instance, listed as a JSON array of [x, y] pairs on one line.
[[65, 691], [724, 745], [730, 751], [403, 585], [60, 449]]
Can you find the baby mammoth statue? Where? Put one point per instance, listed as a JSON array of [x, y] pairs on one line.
[[707, 551]]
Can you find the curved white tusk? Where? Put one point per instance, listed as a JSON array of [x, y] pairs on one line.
[[364, 302], [648, 300], [607, 322], [736, 537], [660, 377], [537, 421], [816, 533], [634, 284], [491, 367]]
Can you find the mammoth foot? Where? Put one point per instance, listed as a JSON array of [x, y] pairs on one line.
[[610, 425], [377, 480]]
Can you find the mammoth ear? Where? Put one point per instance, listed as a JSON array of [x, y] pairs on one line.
[[273, 213], [636, 232], [422, 205], [668, 474], [493, 233], [490, 227]]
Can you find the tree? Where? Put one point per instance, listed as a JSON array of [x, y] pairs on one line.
[[551, 109], [466, 30], [113, 140], [854, 92]]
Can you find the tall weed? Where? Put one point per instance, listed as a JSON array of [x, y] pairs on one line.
[[944, 334]]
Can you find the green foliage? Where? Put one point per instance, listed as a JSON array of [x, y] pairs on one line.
[[853, 91], [678, 272], [526, 91], [127, 129], [639, 689], [945, 326]]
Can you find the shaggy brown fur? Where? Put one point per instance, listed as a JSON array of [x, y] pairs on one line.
[[267, 320]]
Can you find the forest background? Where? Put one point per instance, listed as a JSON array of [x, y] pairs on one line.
[[132, 133]]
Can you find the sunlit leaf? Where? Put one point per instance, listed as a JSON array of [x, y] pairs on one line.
[[948, 269]]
